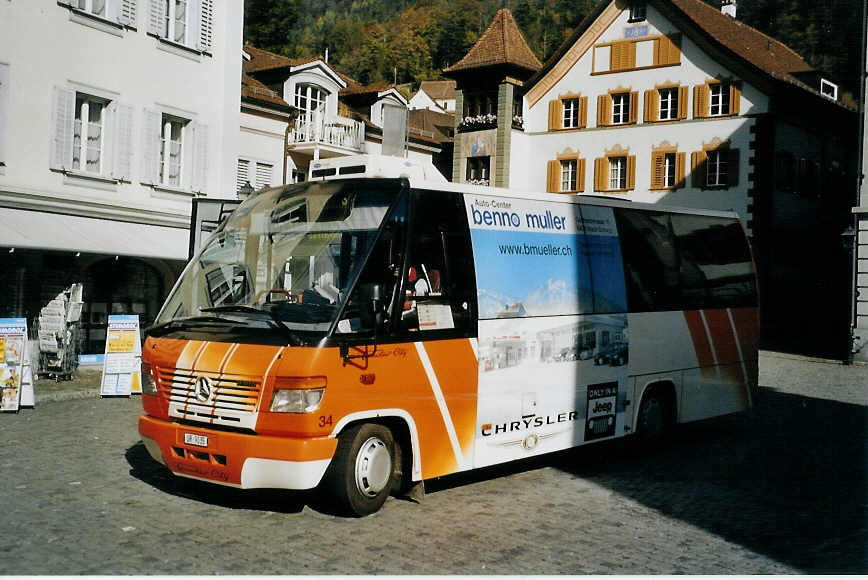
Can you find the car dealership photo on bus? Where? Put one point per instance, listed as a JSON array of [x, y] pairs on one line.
[[363, 334]]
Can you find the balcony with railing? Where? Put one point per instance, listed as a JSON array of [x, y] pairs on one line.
[[330, 131]]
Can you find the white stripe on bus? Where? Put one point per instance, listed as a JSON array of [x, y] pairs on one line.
[[441, 402]]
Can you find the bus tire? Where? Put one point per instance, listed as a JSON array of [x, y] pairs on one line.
[[361, 473], [656, 415]]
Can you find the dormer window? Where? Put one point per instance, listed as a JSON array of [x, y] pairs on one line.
[[310, 99], [638, 12]]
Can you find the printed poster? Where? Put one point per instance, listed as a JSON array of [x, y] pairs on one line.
[[13, 359], [121, 375], [553, 336]]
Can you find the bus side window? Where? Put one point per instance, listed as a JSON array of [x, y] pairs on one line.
[[651, 261], [439, 287]]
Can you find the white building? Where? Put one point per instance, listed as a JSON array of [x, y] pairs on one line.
[[435, 96], [114, 114], [676, 102], [331, 116], [860, 238]]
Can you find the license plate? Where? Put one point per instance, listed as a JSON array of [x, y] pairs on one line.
[[196, 439]]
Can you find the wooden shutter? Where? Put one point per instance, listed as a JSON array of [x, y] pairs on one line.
[[680, 162], [734, 98], [151, 147], [601, 170], [667, 50], [580, 175], [123, 142], [700, 101], [682, 102], [583, 112], [604, 110], [658, 169], [634, 107], [615, 56], [648, 117], [553, 177], [698, 168], [157, 20], [64, 117], [556, 114], [631, 172], [199, 171], [732, 167], [206, 25]]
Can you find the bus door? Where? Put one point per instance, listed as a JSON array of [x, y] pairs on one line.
[[421, 350]]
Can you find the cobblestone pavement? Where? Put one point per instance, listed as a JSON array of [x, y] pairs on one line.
[[780, 489]]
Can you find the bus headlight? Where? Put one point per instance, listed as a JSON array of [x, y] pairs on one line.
[[149, 386], [297, 394]]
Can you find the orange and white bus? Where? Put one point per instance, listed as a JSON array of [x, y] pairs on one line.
[[366, 334]]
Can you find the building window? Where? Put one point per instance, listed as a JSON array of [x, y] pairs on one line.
[[667, 169], [638, 12], [571, 113], [95, 7], [87, 131], [310, 99], [568, 174], [668, 104], [85, 125], [258, 174], [176, 21], [718, 99], [478, 170], [617, 173], [620, 108], [188, 23], [716, 169], [171, 150]]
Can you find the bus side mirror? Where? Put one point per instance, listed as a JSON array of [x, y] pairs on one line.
[[372, 314]]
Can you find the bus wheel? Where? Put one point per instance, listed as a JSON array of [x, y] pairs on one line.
[[360, 475], [654, 415]]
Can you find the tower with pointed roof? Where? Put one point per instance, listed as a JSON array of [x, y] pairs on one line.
[[488, 106]]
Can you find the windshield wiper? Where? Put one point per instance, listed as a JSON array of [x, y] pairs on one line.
[[181, 322], [268, 314]]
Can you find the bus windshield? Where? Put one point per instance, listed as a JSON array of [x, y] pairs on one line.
[[289, 255]]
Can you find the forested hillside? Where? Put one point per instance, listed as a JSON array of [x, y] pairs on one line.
[[411, 41]]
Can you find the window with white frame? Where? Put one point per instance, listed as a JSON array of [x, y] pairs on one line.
[[571, 113], [617, 173], [258, 174], [668, 103], [638, 12], [171, 150], [717, 173], [87, 134], [175, 151], [310, 99], [669, 170], [569, 172], [188, 23], [719, 99], [92, 134], [620, 108], [95, 7]]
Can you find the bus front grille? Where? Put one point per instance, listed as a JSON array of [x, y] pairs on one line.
[[219, 399]]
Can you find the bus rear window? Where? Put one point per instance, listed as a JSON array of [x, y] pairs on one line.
[[684, 262]]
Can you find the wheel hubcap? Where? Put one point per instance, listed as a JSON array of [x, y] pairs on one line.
[[653, 417], [373, 467]]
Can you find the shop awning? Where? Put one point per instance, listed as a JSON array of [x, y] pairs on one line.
[[48, 231]]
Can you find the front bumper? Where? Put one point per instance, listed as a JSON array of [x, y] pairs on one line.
[[238, 459]]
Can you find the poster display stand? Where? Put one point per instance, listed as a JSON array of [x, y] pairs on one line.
[[121, 373], [14, 362]]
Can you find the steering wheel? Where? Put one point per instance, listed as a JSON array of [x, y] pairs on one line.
[[291, 298]]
